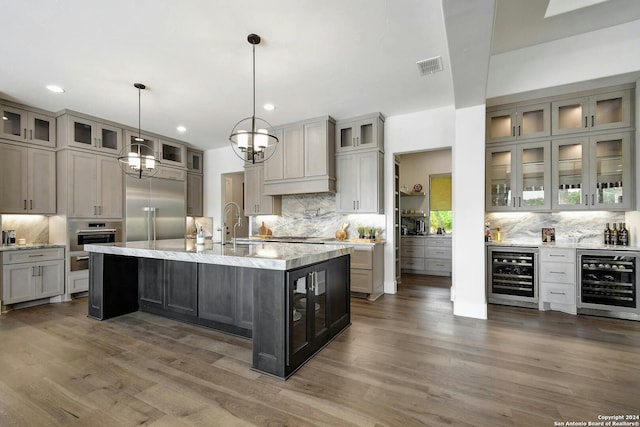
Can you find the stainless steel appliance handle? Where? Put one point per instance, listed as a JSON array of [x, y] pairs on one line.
[[82, 258], [96, 230]]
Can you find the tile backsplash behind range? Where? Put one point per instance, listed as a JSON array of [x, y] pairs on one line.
[[315, 215], [578, 227]]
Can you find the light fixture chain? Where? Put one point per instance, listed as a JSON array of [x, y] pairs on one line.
[[254, 82]]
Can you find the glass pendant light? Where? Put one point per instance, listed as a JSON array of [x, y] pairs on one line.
[[252, 138], [138, 159]]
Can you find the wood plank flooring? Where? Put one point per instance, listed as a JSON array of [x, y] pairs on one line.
[[405, 361]]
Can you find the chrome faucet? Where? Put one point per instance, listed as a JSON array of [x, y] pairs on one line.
[[238, 221]]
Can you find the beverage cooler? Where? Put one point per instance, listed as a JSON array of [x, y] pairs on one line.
[[608, 282], [512, 276]]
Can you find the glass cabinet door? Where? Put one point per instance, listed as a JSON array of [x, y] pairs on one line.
[[319, 309], [14, 124], [500, 192], [534, 176], [570, 174], [533, 121], [194, 161], [610, 110], [110, 138], [501, 125], [610, 176], [83, 132], [299, 330], [346, 135], [366, 137], [569, 116]]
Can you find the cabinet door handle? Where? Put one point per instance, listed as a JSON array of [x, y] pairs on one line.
[[593, 200], [33, 271], [34, 256], [30, 204], [557, 272], [40, 270], [358, 204], [354, 205], [553, 255], [514, 202], [513, 131], [592, 123], [25, 133], [585, 121], [586, 200], [519, 201], [25, 204], [519, 134], [30, 133], [557, 293]]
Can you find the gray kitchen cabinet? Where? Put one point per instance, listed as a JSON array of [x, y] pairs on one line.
[[28, 180], [426, 255], [225, 297], [593, 173], [360, 176], [359, 133], [518, 177], [168, 287], [32, 274], [30, 126], [367, 270], [519, 122], [558, 279], [88, 133], [194, 194], [601, 111], [172, 153], [255, 201], [303, 161], [94, 185], [194, 160]]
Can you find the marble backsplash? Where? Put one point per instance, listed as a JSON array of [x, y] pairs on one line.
[[32, 228], [193, 224], [571, 227], [314, 215]]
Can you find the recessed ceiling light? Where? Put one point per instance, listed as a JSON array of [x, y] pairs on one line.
[[269, 107], [55, 88], [181, 129]]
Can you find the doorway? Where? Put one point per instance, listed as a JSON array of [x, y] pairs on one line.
[[233, 191], [424, 207]]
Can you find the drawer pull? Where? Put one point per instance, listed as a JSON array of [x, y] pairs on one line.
[[559, 255], [557, 272], [557, 293], [33, 256]]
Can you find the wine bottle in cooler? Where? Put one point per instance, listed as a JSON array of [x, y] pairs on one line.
[[607, 234], [614, 234], [624, 234]]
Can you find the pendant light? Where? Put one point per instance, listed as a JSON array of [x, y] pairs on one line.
[[138, 158], [252, 138]]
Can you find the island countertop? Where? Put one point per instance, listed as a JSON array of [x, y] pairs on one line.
[[269, 256]]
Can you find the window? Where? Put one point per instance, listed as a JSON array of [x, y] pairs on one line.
[[440, 202]]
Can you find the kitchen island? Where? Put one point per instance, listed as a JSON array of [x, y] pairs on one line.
[[290, 299]]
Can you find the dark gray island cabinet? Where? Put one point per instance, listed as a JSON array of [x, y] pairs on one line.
[[290, 302]]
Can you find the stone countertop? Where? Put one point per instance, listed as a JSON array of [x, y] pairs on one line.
[[4, 248], [269, 256], [564, 245], [310, 240]]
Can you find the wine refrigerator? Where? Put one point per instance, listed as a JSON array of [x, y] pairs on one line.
[[512, 276]]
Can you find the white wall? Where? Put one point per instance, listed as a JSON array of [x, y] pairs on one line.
[[468, 276], [217, 162], [588, 56]]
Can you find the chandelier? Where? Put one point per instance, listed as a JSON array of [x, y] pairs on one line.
[[138, 159], [252, 138]]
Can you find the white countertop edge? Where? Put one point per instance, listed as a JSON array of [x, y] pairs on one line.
[[4, 248], [294, 256]]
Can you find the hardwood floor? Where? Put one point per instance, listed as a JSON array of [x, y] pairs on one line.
[[405, 360]]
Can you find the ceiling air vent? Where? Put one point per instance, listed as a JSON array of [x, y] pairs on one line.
[[430, 66]]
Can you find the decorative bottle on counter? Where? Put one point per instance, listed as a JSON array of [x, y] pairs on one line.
[[497, 235], [607, 234], [200, 237], [487, 232], [614, 234], [624, 234]]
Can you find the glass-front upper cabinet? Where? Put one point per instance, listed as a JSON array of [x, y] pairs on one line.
[[88, 133], [360, 133], [194, 161], [27, 126], [519, 177], [172, 153], [530, 121], [596, 112], [593, 173]]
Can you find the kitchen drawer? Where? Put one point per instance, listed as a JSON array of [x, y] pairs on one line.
[[412, 263], [78, 281], [362, 257], [560, 294], [438, 265], [412, 251], [439, 253], [558, 272], [558, 255], [362, 281], [438, 242], [412, 241], [32, 255]]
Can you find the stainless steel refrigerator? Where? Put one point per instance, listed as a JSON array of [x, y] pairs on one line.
[[155, 209]]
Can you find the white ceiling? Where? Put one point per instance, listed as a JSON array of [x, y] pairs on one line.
[[342, 58]]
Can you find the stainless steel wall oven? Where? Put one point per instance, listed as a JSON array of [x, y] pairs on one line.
[[512, 276], [85, 232], [608, 283]]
